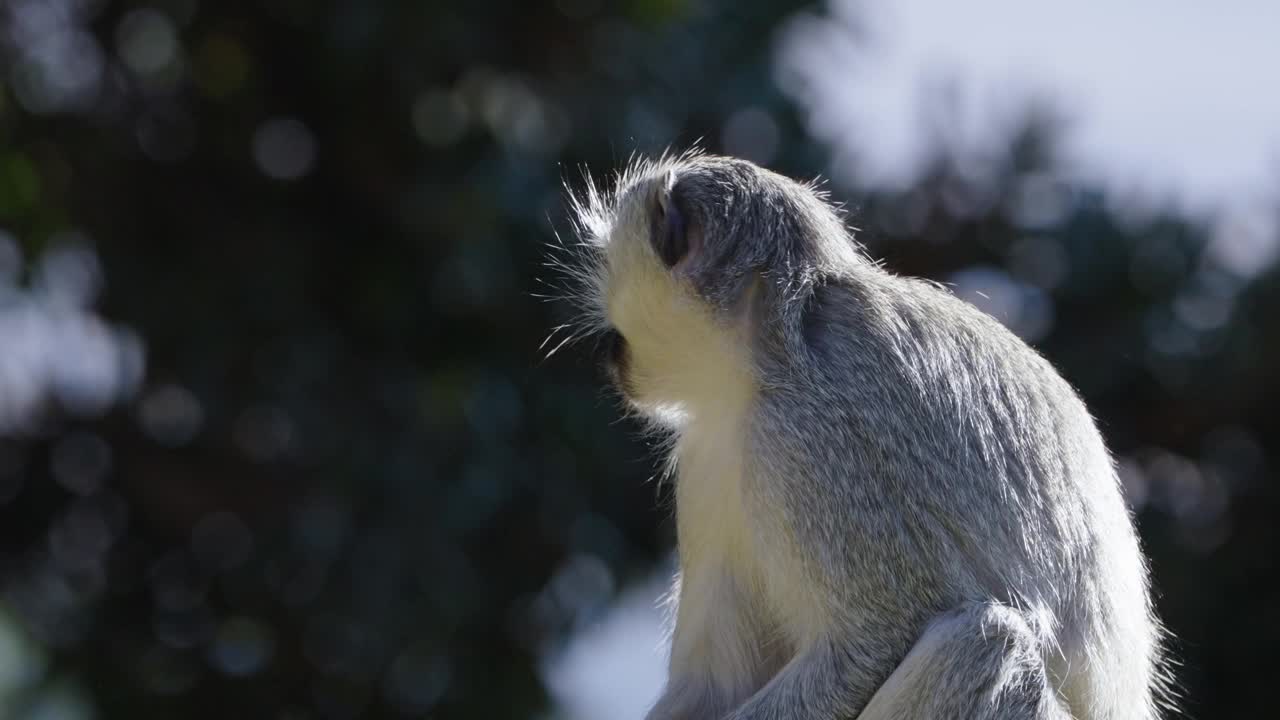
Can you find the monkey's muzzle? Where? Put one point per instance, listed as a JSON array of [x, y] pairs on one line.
[[615, 362]]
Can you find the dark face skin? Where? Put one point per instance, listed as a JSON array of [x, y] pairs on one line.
[[615, 359]]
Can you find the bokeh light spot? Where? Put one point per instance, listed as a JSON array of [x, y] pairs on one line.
[[80, 462], [242, 646], [751, 133], [171, 415], [284, 148], [147, 41], [439, 117]]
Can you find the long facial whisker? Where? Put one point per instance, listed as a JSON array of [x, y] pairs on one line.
[[553, 333], [556, 349]]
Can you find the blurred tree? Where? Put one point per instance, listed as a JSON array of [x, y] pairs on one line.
[[348, 479], [348, 484]]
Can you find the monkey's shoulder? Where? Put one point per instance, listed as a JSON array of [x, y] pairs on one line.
[[876, 334]]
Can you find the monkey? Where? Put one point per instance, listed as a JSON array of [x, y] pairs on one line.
[[887, 505]]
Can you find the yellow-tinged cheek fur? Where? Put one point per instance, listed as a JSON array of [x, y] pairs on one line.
[[692, 370], [681, 359]]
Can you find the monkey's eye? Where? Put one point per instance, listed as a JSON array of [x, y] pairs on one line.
[[670, 231]]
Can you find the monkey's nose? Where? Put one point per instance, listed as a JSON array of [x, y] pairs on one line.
[[615, 347]]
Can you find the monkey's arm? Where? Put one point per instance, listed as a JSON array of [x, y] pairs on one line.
[[718, 655], [980, 661]]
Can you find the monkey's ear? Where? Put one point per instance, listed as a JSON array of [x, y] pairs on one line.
[[674, 237]]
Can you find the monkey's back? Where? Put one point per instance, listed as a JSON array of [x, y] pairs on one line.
[[961, 467]]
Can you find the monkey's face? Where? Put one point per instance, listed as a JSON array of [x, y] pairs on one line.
[[671, 346]]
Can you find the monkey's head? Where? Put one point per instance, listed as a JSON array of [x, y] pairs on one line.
[[685, 258]]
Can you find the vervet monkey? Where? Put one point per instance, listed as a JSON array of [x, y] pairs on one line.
[[887, 505]]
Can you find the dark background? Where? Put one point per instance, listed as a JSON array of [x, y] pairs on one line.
[[276, 436]]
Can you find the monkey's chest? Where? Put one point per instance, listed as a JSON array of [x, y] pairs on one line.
[[711, 510], [733, 539]]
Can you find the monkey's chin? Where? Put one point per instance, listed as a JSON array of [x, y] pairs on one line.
[[618, 379], [664, 415], [672, 417]]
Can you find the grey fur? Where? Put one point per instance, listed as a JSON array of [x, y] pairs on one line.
[[950, 499]]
